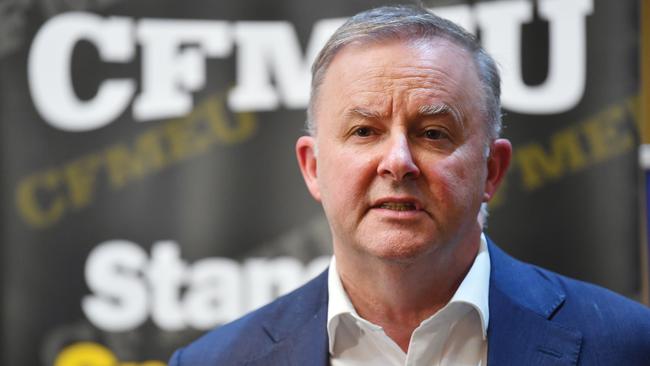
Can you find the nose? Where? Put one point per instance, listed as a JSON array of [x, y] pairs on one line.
[[397, 162]]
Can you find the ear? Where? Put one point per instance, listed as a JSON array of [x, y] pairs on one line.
[[306, 154], [497, 166]]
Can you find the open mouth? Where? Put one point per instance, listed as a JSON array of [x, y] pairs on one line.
[[398, 206]]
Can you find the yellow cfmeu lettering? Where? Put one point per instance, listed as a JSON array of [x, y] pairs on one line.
[[80, 177], [38, 200], [43, 198], [183, 141], [124, 164], [207, 125], [603, 136], [93, 354], [537, 165], [190, 136], [243, 129]]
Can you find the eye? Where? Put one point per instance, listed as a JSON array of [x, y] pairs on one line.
[[433, 134], [362, 131]]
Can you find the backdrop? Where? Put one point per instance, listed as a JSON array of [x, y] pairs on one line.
[[150, 189]]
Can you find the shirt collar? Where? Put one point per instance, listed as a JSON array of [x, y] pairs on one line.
[[473, 290]]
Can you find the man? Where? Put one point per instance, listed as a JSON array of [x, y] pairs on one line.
[[403, 152]]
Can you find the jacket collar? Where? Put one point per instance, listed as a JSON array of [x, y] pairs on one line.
[[523, 300], [297, 328]]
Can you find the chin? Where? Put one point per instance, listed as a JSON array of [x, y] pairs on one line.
[[397, 248]]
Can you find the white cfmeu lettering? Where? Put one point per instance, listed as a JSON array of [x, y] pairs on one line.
[[170, 72], [271, 69], [128, 286], [501, 22], [174, 53], [50, 80], [272, 48]]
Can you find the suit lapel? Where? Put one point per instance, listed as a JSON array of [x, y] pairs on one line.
[[299, 330], [522, 303], [310, 345], [518, 336]]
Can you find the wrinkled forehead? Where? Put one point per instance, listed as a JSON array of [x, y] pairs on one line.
[[457, 61], [433, 66]]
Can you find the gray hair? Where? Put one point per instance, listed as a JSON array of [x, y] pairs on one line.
[[413, 23]]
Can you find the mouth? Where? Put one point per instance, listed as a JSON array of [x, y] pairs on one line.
[[398, 206]]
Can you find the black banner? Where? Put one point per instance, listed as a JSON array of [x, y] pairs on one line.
[[150, 190]]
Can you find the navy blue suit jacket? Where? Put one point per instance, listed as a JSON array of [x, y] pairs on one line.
[[536, 318]]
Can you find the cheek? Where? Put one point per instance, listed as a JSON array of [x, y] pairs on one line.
[[455, 182], [445, 183], [344, 179]]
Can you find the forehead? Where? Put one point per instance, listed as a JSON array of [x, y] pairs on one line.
[[401, 74]]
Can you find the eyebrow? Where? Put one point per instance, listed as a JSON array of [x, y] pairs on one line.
[[441, 109], [425, 110], [362, 112]]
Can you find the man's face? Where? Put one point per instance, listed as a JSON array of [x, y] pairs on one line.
[[399, 160]]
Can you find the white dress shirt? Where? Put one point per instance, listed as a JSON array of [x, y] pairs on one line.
[[455, 335]]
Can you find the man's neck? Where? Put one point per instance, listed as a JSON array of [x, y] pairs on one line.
[[399, 295]]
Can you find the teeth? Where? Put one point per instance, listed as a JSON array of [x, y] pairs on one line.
[[398, 206]]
